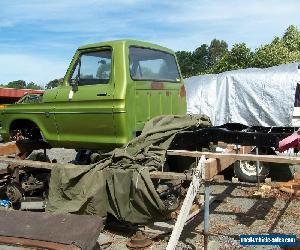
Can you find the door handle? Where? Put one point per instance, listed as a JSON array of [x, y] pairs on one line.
[[102, 94]]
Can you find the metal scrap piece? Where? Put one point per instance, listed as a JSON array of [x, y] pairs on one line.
[[81, 231], [139, 240]]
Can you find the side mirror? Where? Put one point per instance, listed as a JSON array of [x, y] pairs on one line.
[[74, 83]]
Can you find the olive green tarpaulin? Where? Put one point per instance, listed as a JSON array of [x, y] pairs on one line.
[[120, 183]]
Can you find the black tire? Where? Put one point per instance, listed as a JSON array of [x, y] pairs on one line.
[[246, 170]]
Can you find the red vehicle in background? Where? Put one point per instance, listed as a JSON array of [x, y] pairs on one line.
[[11, 95]]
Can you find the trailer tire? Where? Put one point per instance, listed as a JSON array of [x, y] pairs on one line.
[[246, 170]]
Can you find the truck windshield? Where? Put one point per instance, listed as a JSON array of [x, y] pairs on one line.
[[150, 64]]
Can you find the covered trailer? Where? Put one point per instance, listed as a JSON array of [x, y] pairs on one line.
[[253, 97]]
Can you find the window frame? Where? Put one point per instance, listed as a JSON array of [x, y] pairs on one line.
[[153, 80], [91, 50]]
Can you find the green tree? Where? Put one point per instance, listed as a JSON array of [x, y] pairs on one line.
[[239, 57], [202, 58], [32, 85], [291, 38], [54, 83], [216, 50], [218, 59], [185, 62], [199, 60], [275, 53], [19, 84]]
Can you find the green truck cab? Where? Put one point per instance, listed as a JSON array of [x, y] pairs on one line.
[[109, 91]]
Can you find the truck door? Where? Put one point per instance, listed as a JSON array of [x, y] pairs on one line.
[[84, 114]]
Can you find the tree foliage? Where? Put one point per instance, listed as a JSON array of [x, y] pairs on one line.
[[21, 84], [275, 53], [239, 57], [291, 38], [32, 85], [216, 50], [202, 58], [216, 58], [54, 83], [185, 62]]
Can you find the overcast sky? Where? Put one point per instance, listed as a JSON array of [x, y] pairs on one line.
[[39, 37]]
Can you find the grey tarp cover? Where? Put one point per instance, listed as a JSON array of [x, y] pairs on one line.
[[251, 96], [120, 183]]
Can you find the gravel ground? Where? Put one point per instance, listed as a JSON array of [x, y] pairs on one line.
[[236, 211]]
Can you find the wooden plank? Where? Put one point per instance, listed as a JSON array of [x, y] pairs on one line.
[[235, 157]]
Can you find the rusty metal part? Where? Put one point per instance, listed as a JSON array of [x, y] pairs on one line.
[[32, 184], [21, 147], [28, 243], [14, 192], [8, 148], [15, 172], [68, 229], [139, 240]]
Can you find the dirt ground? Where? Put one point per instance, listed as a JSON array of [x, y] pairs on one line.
[[235, 211]]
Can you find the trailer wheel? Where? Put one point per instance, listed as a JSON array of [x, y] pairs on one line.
[[246, 170]]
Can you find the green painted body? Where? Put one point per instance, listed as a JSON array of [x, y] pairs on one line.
[[89, 121]]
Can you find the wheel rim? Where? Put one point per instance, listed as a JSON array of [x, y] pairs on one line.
[[249, 167]]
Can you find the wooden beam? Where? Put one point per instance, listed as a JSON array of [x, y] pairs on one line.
[[47, 165], [235, 157], [170, 175], [213, 166], [216, 163], [29, 163]]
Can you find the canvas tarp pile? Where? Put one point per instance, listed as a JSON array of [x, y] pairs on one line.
[[253, 97], [120, 183]]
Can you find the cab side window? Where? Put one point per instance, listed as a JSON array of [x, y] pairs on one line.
[[93, 68]]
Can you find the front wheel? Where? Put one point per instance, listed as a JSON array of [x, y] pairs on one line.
[[246, 170]]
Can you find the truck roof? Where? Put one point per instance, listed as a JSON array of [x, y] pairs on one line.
[[127, 42]]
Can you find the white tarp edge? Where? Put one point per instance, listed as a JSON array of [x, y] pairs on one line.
[[249, 96]]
